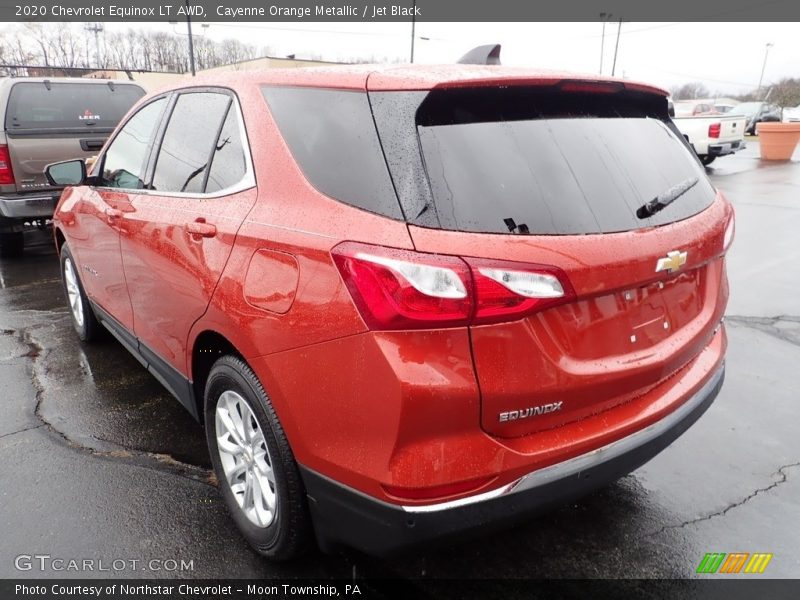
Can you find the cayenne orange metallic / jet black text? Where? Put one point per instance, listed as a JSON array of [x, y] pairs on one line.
[[406, 302]]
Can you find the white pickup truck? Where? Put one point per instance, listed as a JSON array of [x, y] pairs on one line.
[[711, 135]]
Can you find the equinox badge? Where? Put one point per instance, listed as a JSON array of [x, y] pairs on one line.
[[531, 411], [672, 262]]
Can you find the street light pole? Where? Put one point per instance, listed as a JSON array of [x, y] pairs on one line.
[[191, 42], [616, 48], [96, 29], [763, 67], [413, 28], [605, 17]]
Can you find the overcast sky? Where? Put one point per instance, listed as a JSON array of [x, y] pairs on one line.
[[727, 57]]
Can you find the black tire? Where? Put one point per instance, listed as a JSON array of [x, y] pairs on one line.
[[707, 159], [12, 245], [289, 533], [88, 327]]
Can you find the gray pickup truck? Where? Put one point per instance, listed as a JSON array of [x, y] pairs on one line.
[[46, 121]]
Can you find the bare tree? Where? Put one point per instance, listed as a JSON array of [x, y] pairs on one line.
[[690, 91], [65, 46]]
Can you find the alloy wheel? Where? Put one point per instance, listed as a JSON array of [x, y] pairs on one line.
[[73, 292], [245, 459]]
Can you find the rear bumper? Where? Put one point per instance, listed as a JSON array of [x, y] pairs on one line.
[[28, 206], [725, 148], [344, 516]]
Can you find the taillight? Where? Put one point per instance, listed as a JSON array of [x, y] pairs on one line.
[[505, 290], [592, 87], [6, 174], [402, 289], [714, 129]]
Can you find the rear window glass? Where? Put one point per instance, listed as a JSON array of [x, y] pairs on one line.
[[332, 137], [546, 167], [69, 105]]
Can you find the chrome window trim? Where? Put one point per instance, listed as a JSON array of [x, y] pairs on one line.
[[247, 182]]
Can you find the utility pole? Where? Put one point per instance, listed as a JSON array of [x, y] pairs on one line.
[[413, 28], [605, 17], [191, 42], [96, 29], [616, 48], [763, 67]]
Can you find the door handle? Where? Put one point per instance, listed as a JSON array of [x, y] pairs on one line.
[[113, 213], [201, 229]]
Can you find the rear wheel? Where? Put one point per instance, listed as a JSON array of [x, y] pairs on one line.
[[707, 159], [83, 319], [12, 244], [253, 462]]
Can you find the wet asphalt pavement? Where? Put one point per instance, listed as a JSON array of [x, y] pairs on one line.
[[97, 461]]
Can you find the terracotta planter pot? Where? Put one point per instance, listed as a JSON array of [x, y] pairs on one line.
[[778, 140]]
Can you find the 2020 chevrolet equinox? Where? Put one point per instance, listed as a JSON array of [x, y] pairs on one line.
[[406, 302]]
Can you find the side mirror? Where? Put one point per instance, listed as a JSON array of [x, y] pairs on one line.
[[69, 172]]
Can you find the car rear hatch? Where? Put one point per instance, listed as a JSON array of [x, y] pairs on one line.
[[549, 179], [47, 122]]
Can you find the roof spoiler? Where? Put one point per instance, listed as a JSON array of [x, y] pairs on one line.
[[482, 55]]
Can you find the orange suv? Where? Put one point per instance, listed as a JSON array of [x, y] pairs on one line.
[[406, 302]]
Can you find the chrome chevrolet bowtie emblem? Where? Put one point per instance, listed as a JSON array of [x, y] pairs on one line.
[[672, 262]]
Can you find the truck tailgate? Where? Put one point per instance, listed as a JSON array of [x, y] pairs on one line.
[[731, 128], [30, 154]]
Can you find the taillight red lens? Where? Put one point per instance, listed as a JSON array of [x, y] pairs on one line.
[[714, 130], [402, 289], [6, 174], [506, 290], [592, 87]]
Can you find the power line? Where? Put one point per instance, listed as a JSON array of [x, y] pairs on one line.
[[317, 30], [695, 77]]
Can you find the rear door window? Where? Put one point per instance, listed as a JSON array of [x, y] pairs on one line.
[[71, 106], [189, 142]]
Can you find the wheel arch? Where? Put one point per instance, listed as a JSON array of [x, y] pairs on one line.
[[208, 347], [60, 239]]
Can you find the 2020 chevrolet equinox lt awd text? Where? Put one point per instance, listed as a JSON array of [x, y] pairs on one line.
[[406, 302]]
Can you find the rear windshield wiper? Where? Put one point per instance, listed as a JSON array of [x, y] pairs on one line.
[[666, 198]]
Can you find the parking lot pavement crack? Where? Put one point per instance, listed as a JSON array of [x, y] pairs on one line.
[[773, 326], [158, 461], [9, 434], [782, 477]]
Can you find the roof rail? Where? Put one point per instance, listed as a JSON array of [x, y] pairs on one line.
[[482, 55]]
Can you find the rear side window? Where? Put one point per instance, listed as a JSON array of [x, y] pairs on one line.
[[68, 105], [332, 137], [503, 162], [124, 161], [189, 140]]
